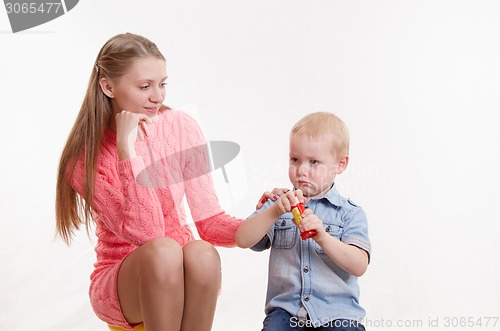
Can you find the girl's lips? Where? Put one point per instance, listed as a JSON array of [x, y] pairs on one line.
[[152, 110]]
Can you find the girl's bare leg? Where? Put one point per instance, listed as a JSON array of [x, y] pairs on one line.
[[202, 281], [151, 285]]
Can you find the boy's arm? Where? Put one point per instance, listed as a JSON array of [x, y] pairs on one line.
[[255, 228], [348, 257]]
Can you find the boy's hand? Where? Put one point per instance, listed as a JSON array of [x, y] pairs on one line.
[[312, 222], [283, 204], [280, 192], [300, 196], [288, 200]]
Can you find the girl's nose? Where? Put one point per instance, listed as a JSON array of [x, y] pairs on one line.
[[157, 96]]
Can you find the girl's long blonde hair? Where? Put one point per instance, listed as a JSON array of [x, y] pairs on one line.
[[112, 62]]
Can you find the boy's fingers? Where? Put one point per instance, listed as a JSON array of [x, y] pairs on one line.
[[306, 212], [285, 200], [279, 191], [292, 198], [300, 195]]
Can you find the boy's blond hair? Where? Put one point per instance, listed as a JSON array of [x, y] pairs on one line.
[[321, 125]]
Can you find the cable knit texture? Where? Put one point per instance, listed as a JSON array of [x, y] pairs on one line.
[[139, 199]]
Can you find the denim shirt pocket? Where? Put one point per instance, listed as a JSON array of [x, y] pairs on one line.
[[334, 229], [284, 233]]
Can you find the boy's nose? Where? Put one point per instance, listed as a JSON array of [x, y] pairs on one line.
[[302, 170]]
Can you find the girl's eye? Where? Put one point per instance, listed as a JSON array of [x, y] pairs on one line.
[[144, 87], [314, 162], [163, 84], [293, 160]]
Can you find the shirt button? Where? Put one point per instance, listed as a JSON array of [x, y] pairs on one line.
[[306, 299], [283, 223], [306, 269]]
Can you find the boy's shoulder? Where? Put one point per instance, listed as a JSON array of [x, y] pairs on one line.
[[339, 200], [352, 203], [344, 205]]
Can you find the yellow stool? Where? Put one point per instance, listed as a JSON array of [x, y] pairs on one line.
[[140, 327]]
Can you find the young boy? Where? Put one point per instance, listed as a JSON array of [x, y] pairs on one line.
[[312, 283]]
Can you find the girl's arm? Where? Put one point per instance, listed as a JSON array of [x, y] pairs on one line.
[[220, 229], [128, 126], [212, 223], [131, 211]]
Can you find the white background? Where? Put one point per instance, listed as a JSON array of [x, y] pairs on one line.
[[417, 83]]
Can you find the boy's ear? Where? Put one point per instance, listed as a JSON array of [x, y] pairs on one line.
[[342, 164], [106, 87]]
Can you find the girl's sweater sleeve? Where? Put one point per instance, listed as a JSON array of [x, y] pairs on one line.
[[219, 230], [129, 210], [212, 223]]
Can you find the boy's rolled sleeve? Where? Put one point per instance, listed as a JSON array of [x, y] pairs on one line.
[[356, 230]]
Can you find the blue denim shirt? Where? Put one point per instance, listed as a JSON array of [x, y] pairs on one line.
[[302, 275]]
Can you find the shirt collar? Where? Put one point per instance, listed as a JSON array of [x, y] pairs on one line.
[[333, 196]]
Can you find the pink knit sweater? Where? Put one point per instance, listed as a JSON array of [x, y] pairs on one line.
[[129, 212]]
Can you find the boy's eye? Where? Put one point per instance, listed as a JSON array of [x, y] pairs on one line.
[[144, 87], [163, 84], [293, 159], [314, 162]]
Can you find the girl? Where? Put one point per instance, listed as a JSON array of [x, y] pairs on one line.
[[149, 268]]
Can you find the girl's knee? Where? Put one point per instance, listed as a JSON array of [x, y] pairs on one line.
[[163, 243], [202, 259], [162, 256], [201, 252]]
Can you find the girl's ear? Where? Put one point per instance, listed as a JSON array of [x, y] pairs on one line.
[[106, 87], [342, 164]]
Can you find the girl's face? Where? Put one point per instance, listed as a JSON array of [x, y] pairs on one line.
[[313, 167], [141, 89]]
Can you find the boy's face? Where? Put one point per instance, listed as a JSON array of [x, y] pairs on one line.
[[313, 166]]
